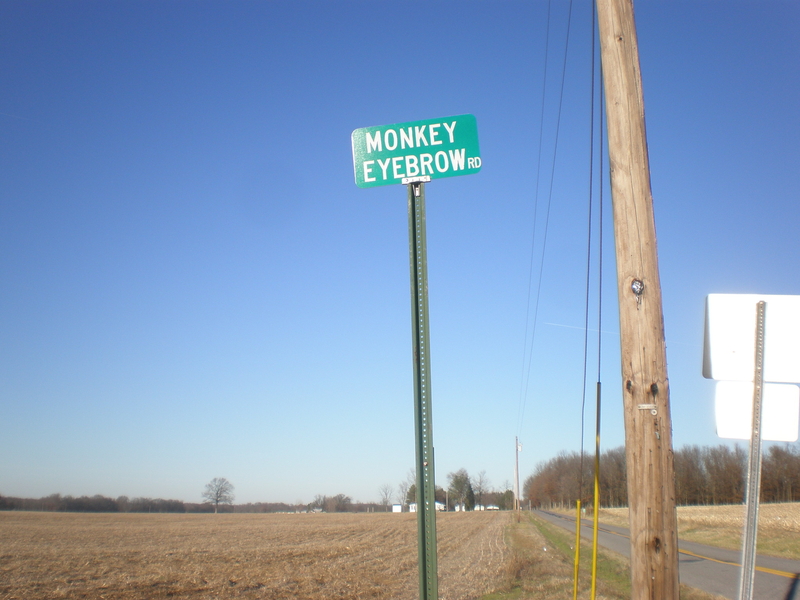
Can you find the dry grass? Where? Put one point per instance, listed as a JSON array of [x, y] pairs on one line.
[[549, 566], [541, 567], [137, 556], [778, 526]]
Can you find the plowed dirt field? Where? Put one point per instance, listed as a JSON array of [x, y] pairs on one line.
[[312, 556]]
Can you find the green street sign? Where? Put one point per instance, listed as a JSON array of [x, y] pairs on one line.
[[422, 149]]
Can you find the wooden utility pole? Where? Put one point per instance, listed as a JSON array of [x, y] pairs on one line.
[[648, 425]]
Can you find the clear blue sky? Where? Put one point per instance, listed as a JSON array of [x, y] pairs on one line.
[[194, 287]]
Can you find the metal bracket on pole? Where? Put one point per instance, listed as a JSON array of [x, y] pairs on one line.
[[423, 424], [421, 179], [748, 573]]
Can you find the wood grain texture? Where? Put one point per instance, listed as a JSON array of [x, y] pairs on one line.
[[648, 431]]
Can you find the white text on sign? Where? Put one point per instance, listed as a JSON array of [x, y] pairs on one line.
[[415, 165], [408, 137], [434, 148]]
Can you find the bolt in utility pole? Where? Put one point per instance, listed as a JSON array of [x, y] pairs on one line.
[[648, 425], [426, 500]]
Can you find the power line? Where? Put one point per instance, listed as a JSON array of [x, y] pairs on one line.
[[524, 383], [527, 370]]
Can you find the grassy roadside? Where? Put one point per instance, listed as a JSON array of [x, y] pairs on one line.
[[722, 526], [541, 567]]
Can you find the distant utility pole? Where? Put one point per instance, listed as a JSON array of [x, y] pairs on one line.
[[648, 425]]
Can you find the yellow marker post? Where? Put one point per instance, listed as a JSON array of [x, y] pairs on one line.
[[596, 515], [577, 551]]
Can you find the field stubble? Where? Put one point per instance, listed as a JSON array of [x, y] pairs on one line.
[[312, 556]]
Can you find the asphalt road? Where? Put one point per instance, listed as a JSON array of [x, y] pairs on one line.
[[704, 567]]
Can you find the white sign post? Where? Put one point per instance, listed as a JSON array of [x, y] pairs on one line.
[[741, 367]]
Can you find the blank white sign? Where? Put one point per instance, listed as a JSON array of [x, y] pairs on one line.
[[730, 338], [780, 415]]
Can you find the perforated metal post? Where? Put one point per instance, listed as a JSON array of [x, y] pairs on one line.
[[748, 572], [426, 501]]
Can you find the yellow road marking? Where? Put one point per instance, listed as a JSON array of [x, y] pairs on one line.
[[733, 564]]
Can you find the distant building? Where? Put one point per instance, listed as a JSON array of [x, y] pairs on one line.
[[412, 507], [397, 508]]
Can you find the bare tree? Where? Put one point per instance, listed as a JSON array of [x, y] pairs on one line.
[[460, 490], [781, 474], [318, 503], [337, 503], [404, 486], [218, 491], [402, 492], [481, 486], [725, 473], [613, 478], [386, 491], [690, 476]]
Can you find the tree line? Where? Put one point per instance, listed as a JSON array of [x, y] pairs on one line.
[[59, 503], [123, 504], [464, 492], [703, 475]]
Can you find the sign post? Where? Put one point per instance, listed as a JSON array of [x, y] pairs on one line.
[[423, 423], [748, 573], [413, 154]]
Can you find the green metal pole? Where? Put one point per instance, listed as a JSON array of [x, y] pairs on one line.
[[426, 501]]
